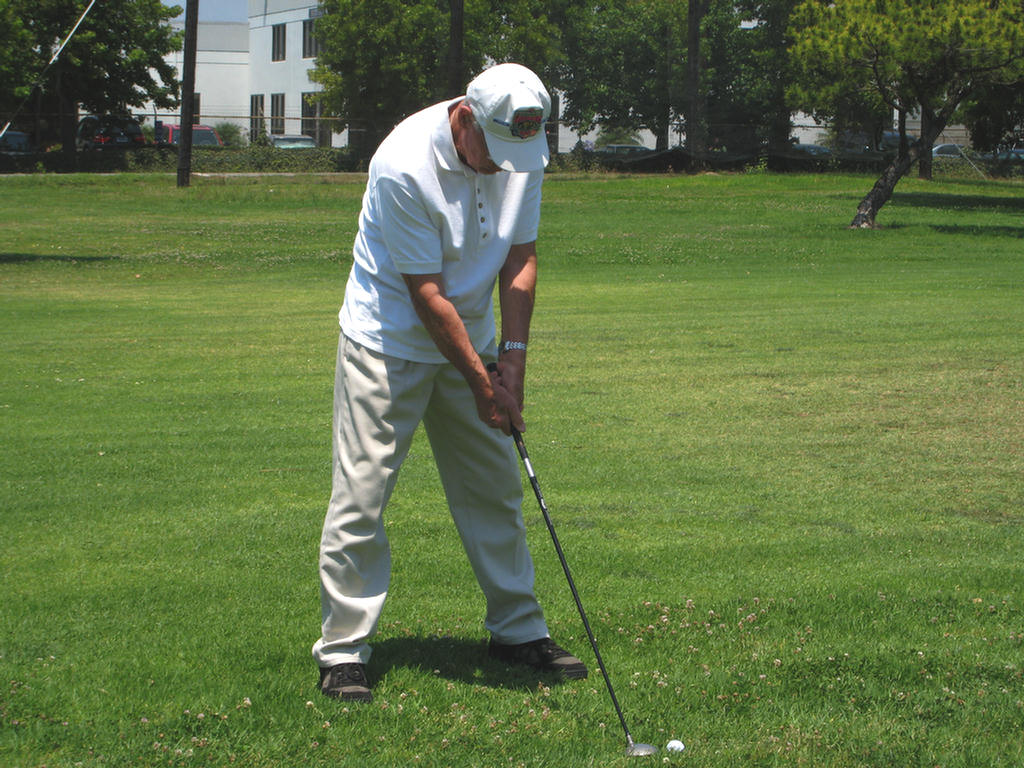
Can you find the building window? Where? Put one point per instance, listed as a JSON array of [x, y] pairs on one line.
[[313, 123], [277, 113], [278, 44], [257, 125], [310, 45]]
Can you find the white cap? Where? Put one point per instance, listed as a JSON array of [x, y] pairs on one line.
[[511, 105]]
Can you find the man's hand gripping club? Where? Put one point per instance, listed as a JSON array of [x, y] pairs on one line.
[[497, 405]]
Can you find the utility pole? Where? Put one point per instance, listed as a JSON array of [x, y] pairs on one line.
[[456, 56], [696, 134], [188, 88]]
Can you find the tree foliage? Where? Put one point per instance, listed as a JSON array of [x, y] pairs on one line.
[[529, 32], [18, 66], [734, 83], [114, 61], [382, 60], [625, 64], [630, 64], [769, 71], [994, 116], [923, 56]]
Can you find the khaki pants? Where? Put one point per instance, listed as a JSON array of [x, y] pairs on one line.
[[378, 403]]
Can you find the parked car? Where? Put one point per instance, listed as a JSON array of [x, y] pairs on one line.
[[16, 143], [890, 143], [797, 156], [947, 150], [814, 150], [202, 135], [109, 132], [1015, 155], [624, 149], [293, 142]]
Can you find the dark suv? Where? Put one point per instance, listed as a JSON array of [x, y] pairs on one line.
[[109, 132], [15, 143]]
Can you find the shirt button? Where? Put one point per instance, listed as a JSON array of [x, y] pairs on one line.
[[482, 219]]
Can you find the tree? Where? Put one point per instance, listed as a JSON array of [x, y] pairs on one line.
[[995, 116], [923, 56], [109, 64], [695, 105], [17, 62], [529, 32], [737, 70], [736, 82], [624, 65], [382, 60], [456, 45], [770, 70], [645, 63], [611, 135]]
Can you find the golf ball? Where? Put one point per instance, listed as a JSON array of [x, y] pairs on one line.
[[675, 746]]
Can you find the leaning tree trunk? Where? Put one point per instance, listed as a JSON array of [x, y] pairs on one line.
[[883, 189]]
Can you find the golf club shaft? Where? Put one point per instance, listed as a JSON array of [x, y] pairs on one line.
[[521, 447]]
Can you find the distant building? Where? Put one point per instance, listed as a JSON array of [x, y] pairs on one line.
[[255, 74], [222, 74], [282, 52]]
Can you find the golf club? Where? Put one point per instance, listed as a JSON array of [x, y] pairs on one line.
[[632, 748]]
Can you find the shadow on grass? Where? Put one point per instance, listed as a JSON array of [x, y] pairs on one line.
[[953, 229], [453, 658], [25, 258], [960, 202]]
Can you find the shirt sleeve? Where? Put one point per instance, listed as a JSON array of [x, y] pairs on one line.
[[529, 217], [410, 234]]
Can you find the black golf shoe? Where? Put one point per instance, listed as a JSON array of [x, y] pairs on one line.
[[346, 682], [543, 654]]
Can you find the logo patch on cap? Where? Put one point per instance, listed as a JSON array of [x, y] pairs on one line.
[[526, 122]]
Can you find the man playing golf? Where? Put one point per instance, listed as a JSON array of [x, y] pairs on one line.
[[452, 204]]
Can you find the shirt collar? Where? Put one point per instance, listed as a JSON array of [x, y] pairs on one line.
[[444, 144]]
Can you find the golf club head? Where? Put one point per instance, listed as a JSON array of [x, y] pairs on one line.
[[640, 750]]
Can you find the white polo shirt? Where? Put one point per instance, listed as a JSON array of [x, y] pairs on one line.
[[425, 212]]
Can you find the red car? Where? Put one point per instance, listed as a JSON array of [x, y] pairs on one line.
[[202, 135]]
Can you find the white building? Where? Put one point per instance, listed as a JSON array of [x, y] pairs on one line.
[[222, 75], [256, 74], [282, 51]]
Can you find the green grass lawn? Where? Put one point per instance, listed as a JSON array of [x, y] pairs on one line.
[[785, 460]]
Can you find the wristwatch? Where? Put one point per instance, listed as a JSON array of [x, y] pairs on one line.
[[507, 346]]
